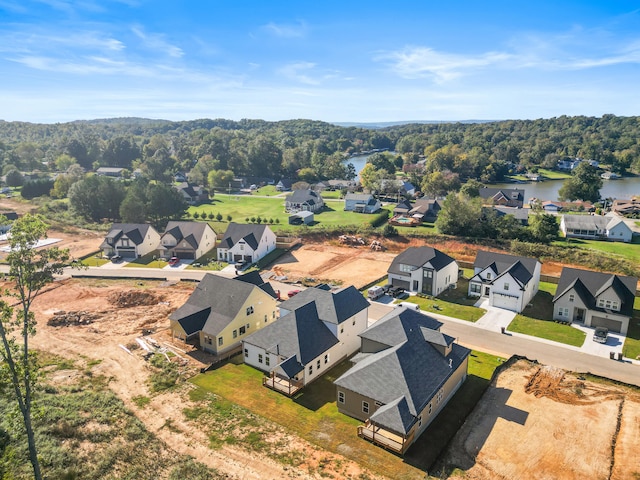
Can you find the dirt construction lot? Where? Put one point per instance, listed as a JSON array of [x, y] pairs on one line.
[[540, 422]]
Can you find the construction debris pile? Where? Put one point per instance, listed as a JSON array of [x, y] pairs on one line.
[[65, 319], [133, 298]]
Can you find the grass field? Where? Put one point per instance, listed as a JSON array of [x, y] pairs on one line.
[[631, 347], [553, 175], [313, 414], [627, 251]]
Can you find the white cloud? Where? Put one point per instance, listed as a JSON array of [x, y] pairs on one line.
[[300, 72], [286, 31], [157, 42]]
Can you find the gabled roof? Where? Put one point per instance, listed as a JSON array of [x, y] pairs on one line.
[[519, 213], [304, 196], [511, 194], [403, 206], [250, 233], [286, 182], [520, 268], [359, 197], [419, 256], [136, 232], [423, 205], [333, 307], [191, 232], [395, 327], [586, 222], [254, 278], [190, 189], [217, 298], [300, 334], [414, 371], [589, 285]]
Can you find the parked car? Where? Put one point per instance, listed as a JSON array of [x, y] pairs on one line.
[[375, 293], [173, 261], [116, 258], [397, 292], [293, 293], [600, 334], [409, 305]]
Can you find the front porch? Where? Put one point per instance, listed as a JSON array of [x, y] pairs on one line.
[[288, 386], [384, 438]]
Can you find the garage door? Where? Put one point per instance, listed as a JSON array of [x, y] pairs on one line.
[[612, 325], [127, 252], [396, 282], [504, 301], [186, 255]]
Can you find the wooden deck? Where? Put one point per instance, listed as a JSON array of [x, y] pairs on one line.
[[282, 385], [384, 438]]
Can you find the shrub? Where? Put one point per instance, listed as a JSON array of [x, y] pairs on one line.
[[379, 219], [389, 231]]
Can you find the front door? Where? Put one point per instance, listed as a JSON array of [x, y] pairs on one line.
[[486, 291], [415, 285], [579, 315]]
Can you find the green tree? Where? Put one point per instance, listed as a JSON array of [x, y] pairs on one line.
[[133, 208], [14, 178], [372, 179], [229, 218], [440, 183], [459, 216], [97, 198], [219, 217], [164, 203], [471, 188], [220, 178], [585, 184], [543, 228], [64, 161], [29, 270]]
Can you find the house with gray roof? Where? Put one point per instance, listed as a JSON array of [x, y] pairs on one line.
[[508, 197], [361, 203], [595, 299], [317, 329], [193, 194], [303, 201], [221, 312], [246, 243], [404, 375], [186, 240], [596, 227], [130, 240], [520, 214], [423, 269], [508, 281]]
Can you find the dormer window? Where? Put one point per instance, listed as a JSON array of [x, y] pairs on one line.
[[405, 268], [488, 275], [608, 304]]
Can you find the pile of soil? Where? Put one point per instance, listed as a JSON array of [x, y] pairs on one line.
[[133, 298], [65, 319]]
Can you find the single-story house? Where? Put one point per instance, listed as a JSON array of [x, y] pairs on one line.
[[423, 269], [193, 194], [403, 207], [595, 299], [596, 227], [509, 281], [246, 243], [361, 203], [426, 209], [130, 240], [284, 184], [222, 311], [115, 172], [406, 373], [549, 206], [317, 329], [520, 214], [398, 186], [507, 197], [186, 240], [303, 200]]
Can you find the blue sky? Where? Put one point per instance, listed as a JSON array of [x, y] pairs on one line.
[[347, 61]]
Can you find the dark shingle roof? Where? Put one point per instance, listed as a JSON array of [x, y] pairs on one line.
[[521, 268], [136, 232], [508, 193], [300, 333], [333, 307], [191, 232], [255, 279], [221, 297], [303, 196], [589, 284], [252, 234], [395, 327], [419, 256]]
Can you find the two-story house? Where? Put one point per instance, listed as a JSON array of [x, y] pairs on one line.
[[246, 243], [317, 329], [507, 197], [186, 240], [361, 203], [221, 312], [595, 299], [303, 200], [193, 194], [508, 281], [404, 375], [423, 269], [130, 240]]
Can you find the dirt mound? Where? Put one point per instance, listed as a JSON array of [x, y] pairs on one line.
[[65, 319], [133, 298], [552, 383]]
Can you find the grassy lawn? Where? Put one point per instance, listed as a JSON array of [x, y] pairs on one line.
[[241, 207], [628, 251], [452, 303], [313, 414], [558, 332], [148, 261], [94, 261], [553, 175], [267, 190], [335, 194], [631, 347]]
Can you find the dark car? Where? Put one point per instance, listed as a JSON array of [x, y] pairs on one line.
[[116, 258], [396, 292]]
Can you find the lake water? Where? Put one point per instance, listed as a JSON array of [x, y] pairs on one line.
[[548, 190]]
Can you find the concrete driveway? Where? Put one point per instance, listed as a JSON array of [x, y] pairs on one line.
[[496, 318], [615, 342]]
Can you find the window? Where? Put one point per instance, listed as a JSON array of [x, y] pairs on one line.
[[340, 397], [428, 273], [607, 304], [235, 334], [488, 275], [266, 319], [242, 330], [354, 322], [341, 329], [249, 310], [430, 408], [241, 247], [259, 358], [310, 369], [365, 407], [326, 358], [506, 286], [405, 268], [208, 340], [476, 288], [378, 404], [420, 421], [273, 315], [248, 325], [220, 341], [267, 360], [615, 306], [572, 297], [246, 353], [563, 312], [318, 364]]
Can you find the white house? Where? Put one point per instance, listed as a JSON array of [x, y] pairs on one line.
[[130, 240], [361, 203], [509, 281], [246, 243], [423, 269], [316, 330], [187, 240], [596, 227]]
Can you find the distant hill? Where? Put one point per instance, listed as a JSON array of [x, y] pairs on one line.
[[404, 122]]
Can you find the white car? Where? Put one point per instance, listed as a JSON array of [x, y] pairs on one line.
[[600, 334]]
